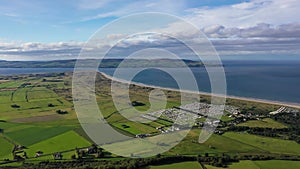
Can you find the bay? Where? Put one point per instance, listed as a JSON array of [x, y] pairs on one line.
[[270, 80]]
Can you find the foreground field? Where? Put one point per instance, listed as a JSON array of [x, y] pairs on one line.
[[266, 144], [271, 164]]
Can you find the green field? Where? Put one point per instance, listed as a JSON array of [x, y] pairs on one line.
[[277, 164], [264, 123], [41, 93], [215, 144], [5, 97], [271, 164], [34, 134], [66, 141], [267, 144], [11, 84], [5, 148], [183, 165], [31, 99]]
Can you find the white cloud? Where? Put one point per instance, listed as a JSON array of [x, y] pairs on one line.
[[254, 27], [246, 14]]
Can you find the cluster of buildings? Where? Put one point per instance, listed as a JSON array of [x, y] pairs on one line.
[[202, 114], [185, 116]]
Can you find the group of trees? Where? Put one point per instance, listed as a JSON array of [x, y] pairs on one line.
[[110, 164], [218, 161], [90, 152]]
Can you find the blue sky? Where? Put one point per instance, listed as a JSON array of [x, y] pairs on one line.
[[56, 20], [36, 26]]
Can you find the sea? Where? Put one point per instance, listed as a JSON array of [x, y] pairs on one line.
[[269, 80]]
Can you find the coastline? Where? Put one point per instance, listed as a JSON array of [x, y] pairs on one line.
[[265, 101]]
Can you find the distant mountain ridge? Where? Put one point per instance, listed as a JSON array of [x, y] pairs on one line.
[[106, 63]]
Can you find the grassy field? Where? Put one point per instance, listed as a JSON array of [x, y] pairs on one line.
[[12, 84], [183, 165], [41, 93], [277, 164], [241, 165], [31, 99], [6, 148], [271, 164], [264, 123], [34, 134], [215, 144], [267, 144], [34, 121], [66, 141]]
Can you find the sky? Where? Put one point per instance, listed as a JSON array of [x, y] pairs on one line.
[[238, 29]]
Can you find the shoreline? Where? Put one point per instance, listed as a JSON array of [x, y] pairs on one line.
[[257, 100]]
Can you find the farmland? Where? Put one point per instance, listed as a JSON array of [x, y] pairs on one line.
[[271, 164], [37, 112], [272, 145]]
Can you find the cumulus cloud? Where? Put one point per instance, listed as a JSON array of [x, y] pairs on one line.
[[259, 39], [246, 14], [261, 30], [252, 27], [39, 51]]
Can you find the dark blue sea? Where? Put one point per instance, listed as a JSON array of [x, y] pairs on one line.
[[271, 80]]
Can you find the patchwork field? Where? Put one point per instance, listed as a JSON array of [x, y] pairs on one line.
[[28, 114], [38, 113]]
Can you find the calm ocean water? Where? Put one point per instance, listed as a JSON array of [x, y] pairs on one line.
[[272, 80]]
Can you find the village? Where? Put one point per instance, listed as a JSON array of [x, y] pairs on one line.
[[199, 114]]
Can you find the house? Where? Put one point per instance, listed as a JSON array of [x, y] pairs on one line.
[[38, 154], [57, 156]]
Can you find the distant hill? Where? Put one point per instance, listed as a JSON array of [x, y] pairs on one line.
[[106, 63]]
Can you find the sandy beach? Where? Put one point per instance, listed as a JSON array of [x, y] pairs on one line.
[[286, 104]]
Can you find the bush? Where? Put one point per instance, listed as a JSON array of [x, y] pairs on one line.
[[61, 111], [15, 106], [51, 105]]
